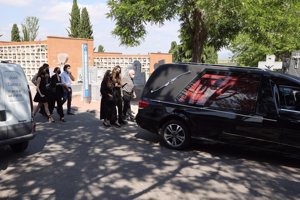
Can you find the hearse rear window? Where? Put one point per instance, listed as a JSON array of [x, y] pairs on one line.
[[222, 89]]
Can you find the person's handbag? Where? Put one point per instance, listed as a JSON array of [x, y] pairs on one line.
[[127, 96]]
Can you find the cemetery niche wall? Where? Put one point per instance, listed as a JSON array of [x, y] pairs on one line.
[[139, 79], [96, 75]]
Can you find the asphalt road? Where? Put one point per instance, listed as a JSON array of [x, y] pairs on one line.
[[81, 159]]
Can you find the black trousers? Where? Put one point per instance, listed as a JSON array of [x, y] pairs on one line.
[[126, 108], [111, 111], [59, 106]]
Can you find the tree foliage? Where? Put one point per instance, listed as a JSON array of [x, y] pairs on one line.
[[253, 28], [86, 30], [203, 22], [174, 50], [30, 28], [15, 34], [132, 16], [182, 55], [272, 27], [101, 48], [74, 30], [209, 55], [247, 52]]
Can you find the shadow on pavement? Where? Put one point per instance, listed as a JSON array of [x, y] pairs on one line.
[[82, 159]]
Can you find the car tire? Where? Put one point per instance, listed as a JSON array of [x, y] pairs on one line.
[[19, 147], [175, 135]]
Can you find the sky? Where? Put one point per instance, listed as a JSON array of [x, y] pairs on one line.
[[54, 16]]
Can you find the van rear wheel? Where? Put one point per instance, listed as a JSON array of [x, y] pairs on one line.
[[19, 147], [175, 135]]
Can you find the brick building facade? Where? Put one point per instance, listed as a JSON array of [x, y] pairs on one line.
[[31, 55]]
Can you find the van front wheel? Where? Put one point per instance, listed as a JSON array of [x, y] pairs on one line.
[[175, 134], [19, 147]]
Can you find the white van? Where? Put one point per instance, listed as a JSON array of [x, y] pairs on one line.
[[16, 122]]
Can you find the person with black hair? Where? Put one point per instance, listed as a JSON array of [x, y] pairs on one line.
[[45, 66], [57, 94], [42, 94], [66, 79], [108, 111]]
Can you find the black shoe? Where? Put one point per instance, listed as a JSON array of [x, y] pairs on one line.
[[131, 116], [116, 125], [107, 124], [70, 113], [122, 122], [62, 119], [132, 119]]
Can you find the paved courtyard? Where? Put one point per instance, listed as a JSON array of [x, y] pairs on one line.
[[81, 159]]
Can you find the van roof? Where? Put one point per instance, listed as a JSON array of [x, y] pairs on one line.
[[265, 71], [219, 65], [168, 80]]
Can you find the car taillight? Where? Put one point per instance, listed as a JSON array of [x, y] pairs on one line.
[[143, 104]]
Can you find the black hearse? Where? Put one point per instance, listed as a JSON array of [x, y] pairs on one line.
[[240, 105]]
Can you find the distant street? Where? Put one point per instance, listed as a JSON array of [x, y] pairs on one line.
[[80, 159]]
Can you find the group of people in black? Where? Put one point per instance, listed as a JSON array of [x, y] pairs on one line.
[[51, 90], [116, 92]]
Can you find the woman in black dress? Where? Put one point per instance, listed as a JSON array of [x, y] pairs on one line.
[[42, 94], [108, 109], [56, 94], [116, 76]]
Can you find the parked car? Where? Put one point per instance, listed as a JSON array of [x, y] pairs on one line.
[[16, 122], [239, 105]]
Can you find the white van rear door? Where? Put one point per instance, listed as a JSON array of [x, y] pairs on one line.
[[3, 126], [16, 94]]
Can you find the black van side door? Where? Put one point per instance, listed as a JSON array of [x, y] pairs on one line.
[[248, 97], [206, 118], [227, 102], [262, 125], [289, 115]]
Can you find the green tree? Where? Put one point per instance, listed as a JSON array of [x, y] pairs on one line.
[[184, 55], [15, 34], [30, 28], [246, 52], [101, 48], [86, 30], [209, 55], [74, 30], [272, 27], [174, 50], [203, 22]]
